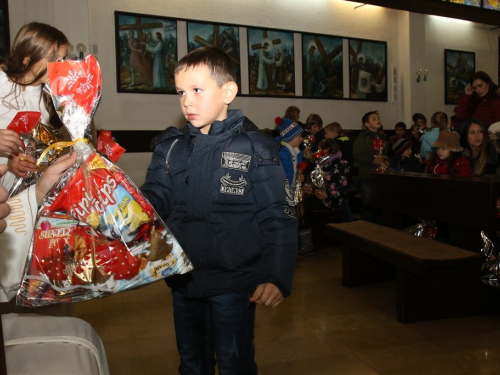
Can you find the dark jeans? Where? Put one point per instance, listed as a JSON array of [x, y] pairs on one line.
[[215, 327]]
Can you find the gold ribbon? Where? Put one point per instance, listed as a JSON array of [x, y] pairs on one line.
[[59, 146]]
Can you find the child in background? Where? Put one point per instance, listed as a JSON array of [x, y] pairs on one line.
[[446, 158], [439, 122], [400, 132], [314, 125], [334, 131], [403, 159], [290, 138], [421, 120], [414, 138]]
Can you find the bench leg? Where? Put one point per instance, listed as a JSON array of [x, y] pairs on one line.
[[438, 294], [359, 268]]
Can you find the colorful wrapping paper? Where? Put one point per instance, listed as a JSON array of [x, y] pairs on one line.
[[95, 233]]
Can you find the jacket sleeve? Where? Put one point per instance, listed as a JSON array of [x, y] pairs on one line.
[[363, 153], [463, 168], [276, 218], [15, 241], [157, 187], [463, 108]]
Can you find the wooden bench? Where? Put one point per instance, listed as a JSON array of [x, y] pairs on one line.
[[466, 205], [434, 280]]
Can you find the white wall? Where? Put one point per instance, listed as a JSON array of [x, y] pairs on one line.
[[414, 41]]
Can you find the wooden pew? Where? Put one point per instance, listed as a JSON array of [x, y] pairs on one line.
[[468, 204], [434, 280]]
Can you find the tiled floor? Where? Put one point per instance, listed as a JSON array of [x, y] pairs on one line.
[[323, 328]]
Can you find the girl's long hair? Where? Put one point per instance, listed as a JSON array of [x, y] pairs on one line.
[[483, 152]]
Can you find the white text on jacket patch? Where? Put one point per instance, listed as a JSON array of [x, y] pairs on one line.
[[229, 186], [233, 160]]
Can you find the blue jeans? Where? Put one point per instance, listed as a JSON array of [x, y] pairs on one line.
[[215, 327]]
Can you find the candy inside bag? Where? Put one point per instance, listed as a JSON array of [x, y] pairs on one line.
[[95, 233]]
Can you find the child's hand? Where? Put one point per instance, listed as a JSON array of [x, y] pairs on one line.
[[320, 194], [307, 189], [267, 294], [21, 165], [300, 177]]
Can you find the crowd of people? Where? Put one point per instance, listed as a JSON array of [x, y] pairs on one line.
[[328, 162]]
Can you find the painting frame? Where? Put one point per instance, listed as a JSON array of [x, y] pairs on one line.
[[459, 66], [4, 29], [146, 63], [271, 62], [222, 35], [322, 66], [367, 70]]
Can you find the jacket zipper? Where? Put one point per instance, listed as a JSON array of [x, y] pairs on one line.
[[167, 163]]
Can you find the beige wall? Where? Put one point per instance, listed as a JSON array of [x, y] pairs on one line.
[[414, 41]]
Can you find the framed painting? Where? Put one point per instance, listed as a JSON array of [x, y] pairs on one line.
[[225, 37], [459, 66], [368, 70], [146, 53], [271, 69], [322, 67], [4, 29]]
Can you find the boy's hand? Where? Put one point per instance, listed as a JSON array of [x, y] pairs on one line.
[[267, 294]]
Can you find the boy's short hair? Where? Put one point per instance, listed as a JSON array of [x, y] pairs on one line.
[[400, 125], [314, 119], [215, 59], [419, 116], [366, 116], [329, 145], [334, 127]]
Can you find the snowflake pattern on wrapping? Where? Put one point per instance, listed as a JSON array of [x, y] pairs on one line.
[[109, 150], [72, 78], [24, 119], [87, 85]]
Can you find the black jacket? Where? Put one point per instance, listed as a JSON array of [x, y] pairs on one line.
[[227, 201]]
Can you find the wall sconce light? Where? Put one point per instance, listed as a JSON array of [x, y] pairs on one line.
[[422, 75], [81, 48]]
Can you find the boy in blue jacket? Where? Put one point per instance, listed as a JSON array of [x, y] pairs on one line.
[[218, 184]]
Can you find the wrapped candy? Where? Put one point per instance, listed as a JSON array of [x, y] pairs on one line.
[[107, 145], [378, 145], [95, 233], [426, 228], [36, 138], [317, 176], [490, 270]]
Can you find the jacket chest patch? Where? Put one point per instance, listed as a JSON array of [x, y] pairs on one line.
[[233, 160], [229, 186]]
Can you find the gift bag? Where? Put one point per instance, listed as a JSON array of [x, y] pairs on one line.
[[95, 233]]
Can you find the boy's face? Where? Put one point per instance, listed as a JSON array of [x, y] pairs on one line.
[[296, 141], [407, 153], [422, 123], [330, 134], [400, 131], [373, 123], [202, 100]]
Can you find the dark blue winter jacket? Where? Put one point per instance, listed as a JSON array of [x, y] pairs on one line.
[[225, 198]]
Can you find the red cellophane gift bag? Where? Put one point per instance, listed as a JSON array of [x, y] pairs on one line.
[[95, 233]]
